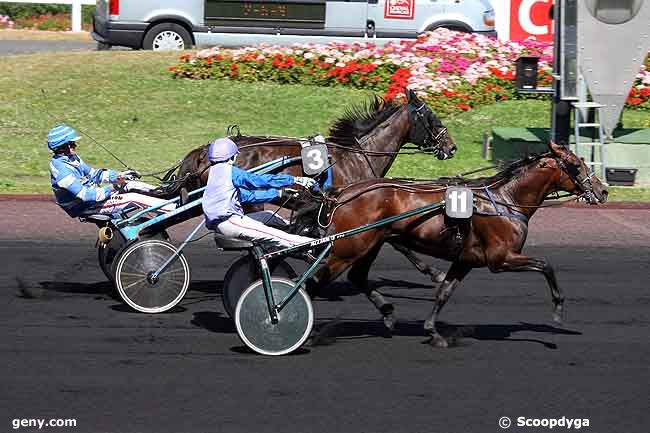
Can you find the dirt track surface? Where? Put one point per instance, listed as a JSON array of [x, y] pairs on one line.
[[72, 351]]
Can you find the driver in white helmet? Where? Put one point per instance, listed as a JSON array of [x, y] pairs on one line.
[[229, 187], [82, 190]]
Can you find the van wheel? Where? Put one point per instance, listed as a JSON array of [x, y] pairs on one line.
[[101, 46], [167, 37]]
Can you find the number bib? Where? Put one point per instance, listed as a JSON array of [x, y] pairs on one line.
[[314, 159], [459, 202]]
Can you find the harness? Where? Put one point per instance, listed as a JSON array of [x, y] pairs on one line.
[[510, 212]]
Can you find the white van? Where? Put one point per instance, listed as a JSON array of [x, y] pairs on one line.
[[179, 24]]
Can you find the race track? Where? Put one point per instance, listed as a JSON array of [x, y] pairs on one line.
[[72, 351]]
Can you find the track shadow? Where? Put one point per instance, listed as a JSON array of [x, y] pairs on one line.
[[327, 332], [97, 288], [214, 321], [207, 286], [340, 289], [400, 284], [122, 308]]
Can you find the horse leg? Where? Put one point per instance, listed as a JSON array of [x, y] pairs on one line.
[[436, 275], [520, 263], [454, 276], [358, 276]]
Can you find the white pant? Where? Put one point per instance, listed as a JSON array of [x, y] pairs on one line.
[[118, 202], [253, 227]]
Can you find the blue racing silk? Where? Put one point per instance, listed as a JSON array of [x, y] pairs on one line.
[[76, 185], [229, 187]]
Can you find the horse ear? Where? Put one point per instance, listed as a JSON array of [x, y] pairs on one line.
[[410, 95], [564, 153]]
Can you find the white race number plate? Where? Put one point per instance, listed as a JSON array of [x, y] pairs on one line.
[[459, 202], [314, 159]]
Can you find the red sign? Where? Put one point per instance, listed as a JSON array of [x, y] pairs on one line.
[[531, 18], [399, 9]]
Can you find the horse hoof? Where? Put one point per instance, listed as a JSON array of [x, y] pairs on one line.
[[438, 277], [390, 321], [438, 341], [428, 325], [557, 314]]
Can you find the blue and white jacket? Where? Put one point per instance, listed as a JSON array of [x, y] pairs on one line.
[[76, 185], [229, 187]]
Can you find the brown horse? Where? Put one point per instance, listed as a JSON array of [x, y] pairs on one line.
[[363, 144], [494, 236]]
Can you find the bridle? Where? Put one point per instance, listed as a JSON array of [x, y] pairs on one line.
[[423, 132], [582, 181]]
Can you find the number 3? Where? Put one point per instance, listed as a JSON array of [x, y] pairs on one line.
[[316, 158]]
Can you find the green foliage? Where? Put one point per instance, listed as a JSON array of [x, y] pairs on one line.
[[27, 10], [127, 102], [44, 16]]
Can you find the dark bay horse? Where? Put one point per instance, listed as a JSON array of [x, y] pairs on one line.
[[363, 144], [494, 236]]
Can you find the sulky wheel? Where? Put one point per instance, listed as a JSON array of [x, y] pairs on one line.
[[135, 283], [254, 323], [106, 253], [243, 273]]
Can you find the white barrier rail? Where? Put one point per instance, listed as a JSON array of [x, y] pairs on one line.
[[76, 8]]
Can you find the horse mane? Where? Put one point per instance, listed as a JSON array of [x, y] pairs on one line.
[[359, 119], [507, 171]]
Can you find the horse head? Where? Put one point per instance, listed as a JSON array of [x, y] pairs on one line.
[[427, 130], [576, 178]]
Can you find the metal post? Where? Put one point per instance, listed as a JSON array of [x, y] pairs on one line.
[[76, 15], [561, 110]]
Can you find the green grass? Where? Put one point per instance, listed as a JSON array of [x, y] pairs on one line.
[[128, 102]]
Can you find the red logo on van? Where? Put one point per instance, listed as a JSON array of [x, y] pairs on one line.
[[399, 9]]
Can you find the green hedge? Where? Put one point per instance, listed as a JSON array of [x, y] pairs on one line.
[[27, 10]]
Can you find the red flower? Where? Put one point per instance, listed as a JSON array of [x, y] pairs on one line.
[[635, 101], [233, 66], [172, 68], [275, 63], [185, 58], [465, 97], [233, 73], [645, 92], [632, 92], [463, 107], [504, 97], [449, 93], [208, 60], [367, 67]]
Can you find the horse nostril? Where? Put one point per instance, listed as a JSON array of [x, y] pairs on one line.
[[453, 151], [605, 194]]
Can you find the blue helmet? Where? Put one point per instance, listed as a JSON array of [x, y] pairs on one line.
[[60, 135], [222, 149]]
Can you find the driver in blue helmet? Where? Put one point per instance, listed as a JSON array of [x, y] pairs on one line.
[[229, 187], [81, 190]]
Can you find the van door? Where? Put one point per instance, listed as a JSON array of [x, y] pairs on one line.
[[346, 17], [264, 16], [401, 18]]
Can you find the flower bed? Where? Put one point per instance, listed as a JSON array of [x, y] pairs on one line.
[[6, 22], [452, 71]]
